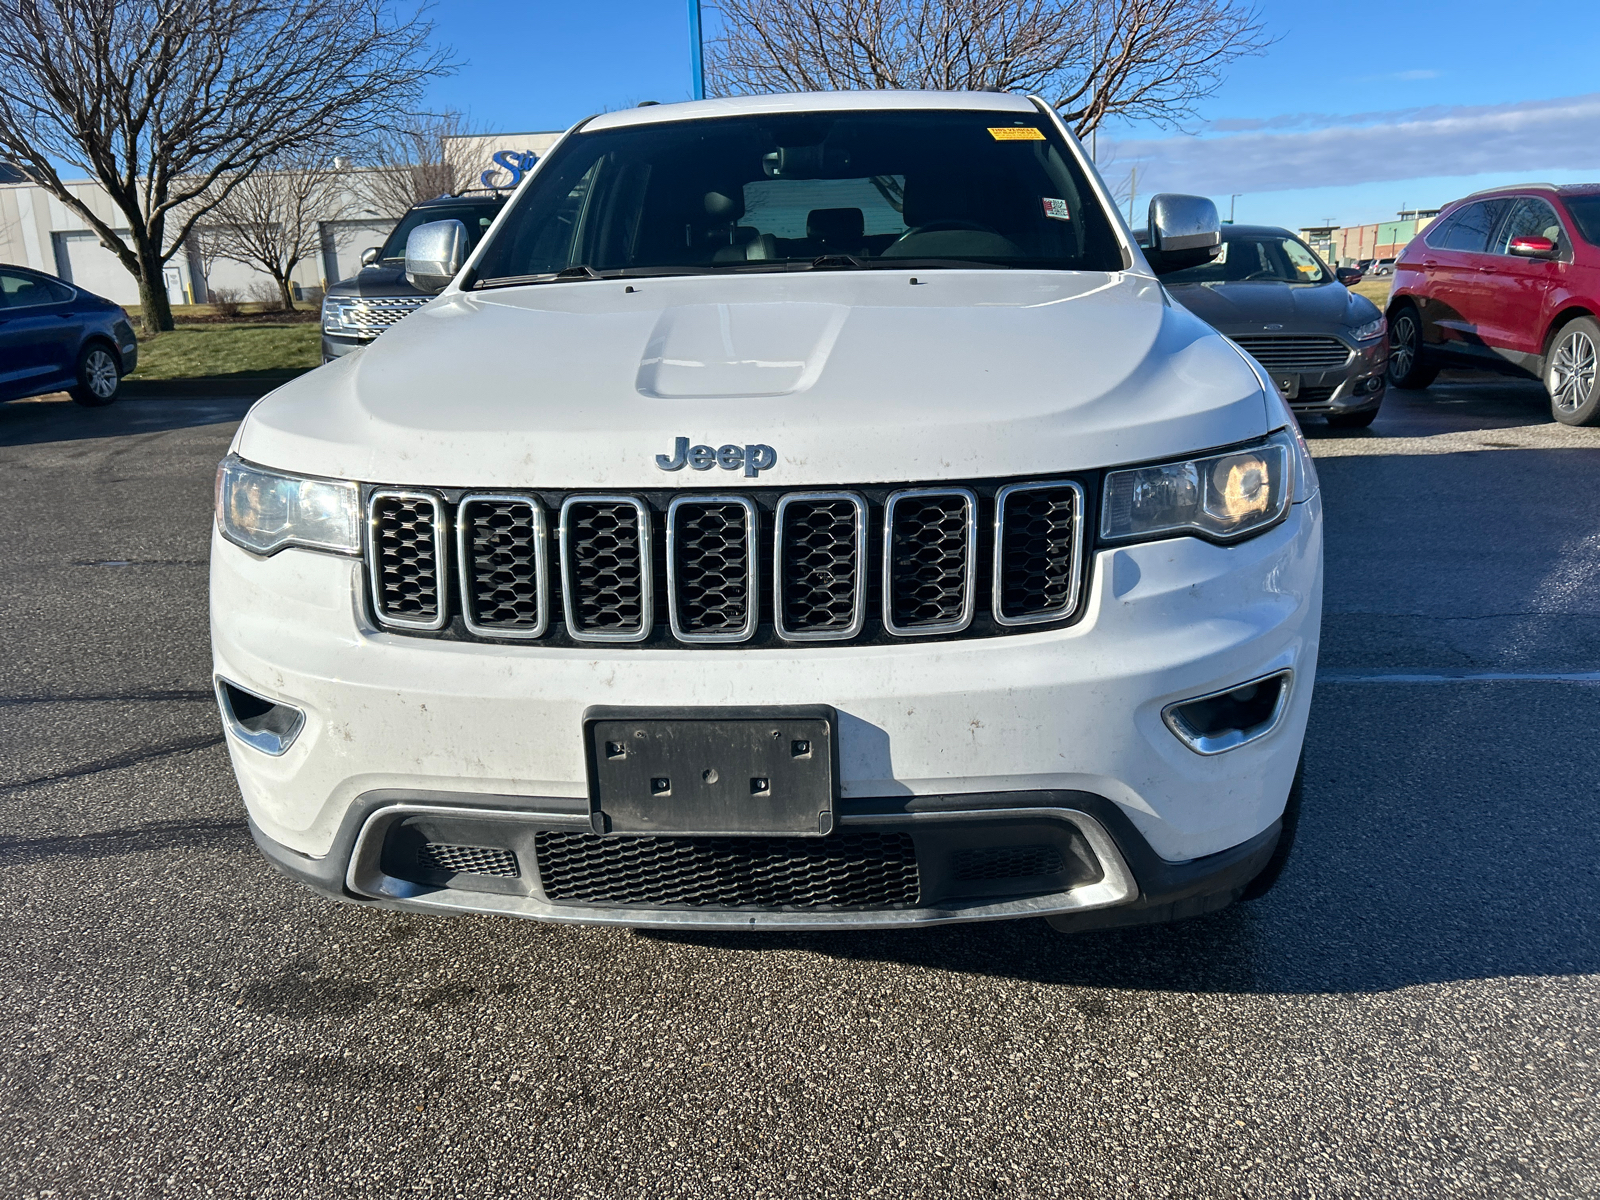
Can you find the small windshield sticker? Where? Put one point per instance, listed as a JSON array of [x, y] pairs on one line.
[[1055, 209], [1016, 133]]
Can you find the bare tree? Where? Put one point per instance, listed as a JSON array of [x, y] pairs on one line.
[[1092, 59], [163, 101], [269, 219], [417, 158]]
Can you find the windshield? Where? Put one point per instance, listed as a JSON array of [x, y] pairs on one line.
[[775, 192], [475, 217], [1256, 259], [1585, 212]]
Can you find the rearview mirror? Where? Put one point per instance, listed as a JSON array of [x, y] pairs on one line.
[[1185, 231], [370, 255], [434, 254], [1532, 247]]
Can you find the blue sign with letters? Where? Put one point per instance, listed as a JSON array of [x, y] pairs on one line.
[[516, 163]]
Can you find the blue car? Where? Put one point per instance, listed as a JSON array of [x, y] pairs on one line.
[[55, 337]]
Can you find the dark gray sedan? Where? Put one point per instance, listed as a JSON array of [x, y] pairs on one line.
[[1323, 345]]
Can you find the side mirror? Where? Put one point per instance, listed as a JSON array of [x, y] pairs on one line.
[[370, 255], [1532, 247], [434, 254], [1348, 275], [1185, 231]]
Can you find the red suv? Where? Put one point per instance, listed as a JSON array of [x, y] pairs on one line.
[[1507, 279]]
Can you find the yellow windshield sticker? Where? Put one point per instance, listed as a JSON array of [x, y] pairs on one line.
[[1016, 133]]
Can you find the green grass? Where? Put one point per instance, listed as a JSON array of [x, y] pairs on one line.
[[230, 351], [1376, 290]]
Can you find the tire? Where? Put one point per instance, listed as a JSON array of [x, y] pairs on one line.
[[99, 376], [1572, 373], [1406, 368], [1263, 883], [1355, 420]]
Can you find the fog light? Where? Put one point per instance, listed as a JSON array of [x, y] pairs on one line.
[[1372, 385], [267, 725], [1222, 721]]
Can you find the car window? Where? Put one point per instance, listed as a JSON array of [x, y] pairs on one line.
[[27, 291], [1585, 213], [476, 218], [1530, 218], [761, 191], [1256, 259], [1469, 230]]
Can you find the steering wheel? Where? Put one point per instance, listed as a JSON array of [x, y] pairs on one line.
[[949, 226]]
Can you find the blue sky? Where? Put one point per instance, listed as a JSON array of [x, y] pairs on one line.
[[1358, 109]]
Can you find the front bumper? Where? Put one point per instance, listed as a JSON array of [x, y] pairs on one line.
[[1074, 710], [1358, 386], [338, 347]]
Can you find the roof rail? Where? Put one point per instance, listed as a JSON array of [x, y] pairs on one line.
[[1511, 187]]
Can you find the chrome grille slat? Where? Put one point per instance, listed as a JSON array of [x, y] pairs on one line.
[[1038, 551], [820, 566], [501, 547], [370, 316], [606, 568], [406, 559], [712, 547], [930, 553], [1296, 353]]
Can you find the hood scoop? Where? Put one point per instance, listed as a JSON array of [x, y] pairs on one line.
[[707, 351]]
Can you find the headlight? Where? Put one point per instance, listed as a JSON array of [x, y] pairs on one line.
[[339, 316], [265, 511], [1225, 496], [1372, 329]]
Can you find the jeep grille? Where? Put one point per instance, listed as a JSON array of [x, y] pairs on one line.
[[761, 568]]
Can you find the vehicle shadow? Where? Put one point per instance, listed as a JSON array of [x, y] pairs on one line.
[[55, 418], [1457, 402], [1443, 838]]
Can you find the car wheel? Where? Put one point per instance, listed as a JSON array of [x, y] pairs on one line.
[[1355, 420], [99, 376], [1263, 883], [1570, 373], [1406, 368]]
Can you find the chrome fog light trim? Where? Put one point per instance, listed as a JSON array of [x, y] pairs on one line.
[[263, 724], [1217, 740]]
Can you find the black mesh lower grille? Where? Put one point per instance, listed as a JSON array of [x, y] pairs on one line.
[[712, 586], [1038, 529], [1007, 862], [819, 565], [605, 564], [929, 559], [847, 870], [504, 557], [468, 860], [406, 583]]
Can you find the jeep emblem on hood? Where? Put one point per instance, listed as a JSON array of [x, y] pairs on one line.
[[753, 458]]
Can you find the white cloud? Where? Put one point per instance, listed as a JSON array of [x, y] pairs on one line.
[[1308, 150]]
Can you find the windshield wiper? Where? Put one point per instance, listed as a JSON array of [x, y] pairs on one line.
[[585, 273]]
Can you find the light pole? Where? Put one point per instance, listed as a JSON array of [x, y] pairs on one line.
[[1231, 200], [696, 51]]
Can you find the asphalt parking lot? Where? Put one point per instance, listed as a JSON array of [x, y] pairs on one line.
[[1410, 1013]]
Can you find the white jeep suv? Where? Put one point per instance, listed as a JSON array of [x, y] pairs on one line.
[[799, 511]]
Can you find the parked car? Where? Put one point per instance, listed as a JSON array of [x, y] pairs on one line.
[[55, 337], [358, 309], [1506, 280], [860, 538], [1382, 267], [1322, 344]]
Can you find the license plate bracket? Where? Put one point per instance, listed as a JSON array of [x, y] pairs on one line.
[[1288, 386], [733, 772]]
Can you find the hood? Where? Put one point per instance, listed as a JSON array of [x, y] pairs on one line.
[[850, 377], [1245, 308], [375, 281]]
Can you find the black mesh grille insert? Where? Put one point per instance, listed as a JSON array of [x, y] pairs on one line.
[[605, 577], [819, 566], [713, 588], [1037, 533], [406, 585], [929, 560], [847, 870], [468, 860], [503, 560], [1007, 862]]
